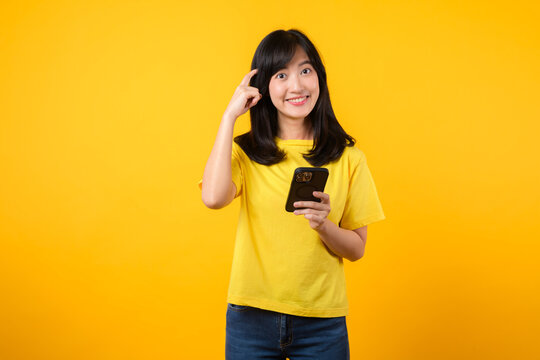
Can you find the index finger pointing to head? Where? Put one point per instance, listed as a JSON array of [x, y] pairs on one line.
[[247, 78]]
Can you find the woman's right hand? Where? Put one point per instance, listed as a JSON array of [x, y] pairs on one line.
[[244, 98]]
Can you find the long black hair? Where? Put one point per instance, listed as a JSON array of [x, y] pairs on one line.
[[329, 139]]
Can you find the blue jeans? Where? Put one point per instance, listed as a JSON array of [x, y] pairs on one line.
[[253, 333]]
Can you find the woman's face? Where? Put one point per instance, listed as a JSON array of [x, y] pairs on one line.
[[294, 90]]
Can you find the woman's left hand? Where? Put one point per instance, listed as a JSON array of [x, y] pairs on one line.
[[315, 212]]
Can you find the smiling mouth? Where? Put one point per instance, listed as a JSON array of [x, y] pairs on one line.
[[298, 99]]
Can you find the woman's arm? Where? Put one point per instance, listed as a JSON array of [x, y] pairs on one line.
[[218, 190], [349, 244], [345, 243]]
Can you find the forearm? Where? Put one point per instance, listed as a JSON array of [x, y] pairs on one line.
[[217, 179], [342, 242]]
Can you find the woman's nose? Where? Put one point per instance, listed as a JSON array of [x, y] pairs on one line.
[[296, 83]]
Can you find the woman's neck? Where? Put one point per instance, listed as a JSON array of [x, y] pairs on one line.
[[295, 130]]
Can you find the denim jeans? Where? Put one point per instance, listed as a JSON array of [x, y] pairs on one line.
[[253, 333]]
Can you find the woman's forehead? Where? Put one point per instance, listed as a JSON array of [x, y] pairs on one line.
[[299, 55], [300, 58]]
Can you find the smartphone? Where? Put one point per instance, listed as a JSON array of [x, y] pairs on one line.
[[305, 181]]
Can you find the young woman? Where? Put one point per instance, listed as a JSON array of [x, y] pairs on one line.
[[287, 295]]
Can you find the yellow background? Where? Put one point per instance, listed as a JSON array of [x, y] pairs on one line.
[[109, 110]]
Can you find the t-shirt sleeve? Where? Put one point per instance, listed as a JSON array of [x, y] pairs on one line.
[[236, 169], [362, 206]]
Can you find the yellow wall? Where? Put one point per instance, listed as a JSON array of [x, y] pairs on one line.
[[108, 112]]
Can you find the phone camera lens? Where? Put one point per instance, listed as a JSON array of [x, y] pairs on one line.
[[304, 176]]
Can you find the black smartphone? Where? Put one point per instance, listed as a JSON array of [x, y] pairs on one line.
[[305, 181]]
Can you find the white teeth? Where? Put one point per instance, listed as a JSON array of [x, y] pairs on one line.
[[297, 100]]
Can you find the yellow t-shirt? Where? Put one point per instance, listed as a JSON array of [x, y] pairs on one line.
[[279, 262]]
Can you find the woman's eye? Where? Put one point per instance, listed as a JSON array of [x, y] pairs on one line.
[[308, 70], [279, 76]]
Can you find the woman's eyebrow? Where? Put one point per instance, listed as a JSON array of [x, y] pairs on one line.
[[305, 62], [302, 63]]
